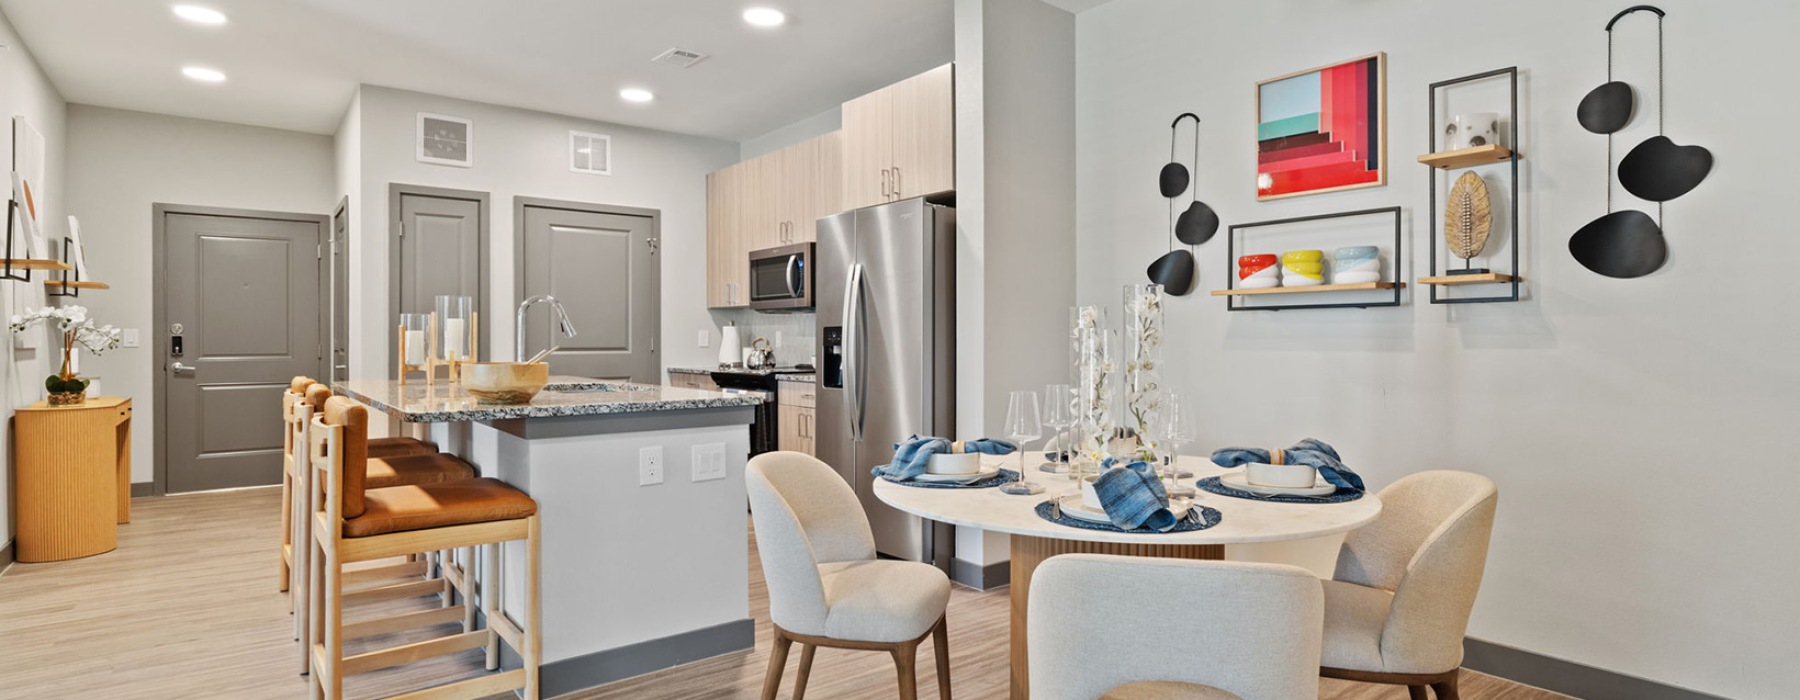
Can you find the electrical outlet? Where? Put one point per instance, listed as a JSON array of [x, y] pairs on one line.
[[650, 465], [705, 338], [131, 338], [708, 461]]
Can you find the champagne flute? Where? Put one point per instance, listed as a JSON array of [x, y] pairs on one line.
[[1023, 422], [1059, 413], [1179, 429]]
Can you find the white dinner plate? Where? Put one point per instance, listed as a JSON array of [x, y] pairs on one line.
[[1238, 480], [985, 473]]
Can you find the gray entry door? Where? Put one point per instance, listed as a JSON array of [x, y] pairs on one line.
[[603, 268], [244, 291], [339, 256], [439, 248]]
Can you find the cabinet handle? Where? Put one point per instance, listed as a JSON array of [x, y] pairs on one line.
[[896, 182], [885, 174]]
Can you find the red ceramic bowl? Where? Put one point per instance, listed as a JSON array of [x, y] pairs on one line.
[[1251, 264]]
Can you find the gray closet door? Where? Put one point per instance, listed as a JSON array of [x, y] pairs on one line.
[[440, 246], [604, 270], [245, 292]]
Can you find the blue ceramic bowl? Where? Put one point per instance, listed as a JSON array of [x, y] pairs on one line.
[[1356, 252]]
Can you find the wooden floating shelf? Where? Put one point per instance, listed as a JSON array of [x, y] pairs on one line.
[[77, 284], [1467, 157], [1485, 278], [34, 264], [1361, 287]]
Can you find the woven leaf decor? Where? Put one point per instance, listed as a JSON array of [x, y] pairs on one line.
[[1466, 217]]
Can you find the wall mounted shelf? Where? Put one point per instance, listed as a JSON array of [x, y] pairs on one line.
[[1484, 278], [1315, 289], [77, 284], [34, 264], [1468, 157]]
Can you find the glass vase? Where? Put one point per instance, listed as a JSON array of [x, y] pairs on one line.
[[1095, 385], [1143, 336]]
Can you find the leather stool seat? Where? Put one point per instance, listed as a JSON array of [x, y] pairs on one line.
[[426, 506], [400, 447], [412, 470]]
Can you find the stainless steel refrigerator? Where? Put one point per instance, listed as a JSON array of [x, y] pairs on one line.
[[886, 314]]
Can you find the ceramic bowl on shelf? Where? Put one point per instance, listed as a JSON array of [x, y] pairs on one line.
[[1356, 277], [504, 382], [1356, 265], [1251, 264], [1288, 476], [966, 463], [1302, 273], [1354, 253]]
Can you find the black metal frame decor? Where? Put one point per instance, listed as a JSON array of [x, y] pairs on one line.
[[1396, 260], [1512, 159], [61, 287], [1627, 243]]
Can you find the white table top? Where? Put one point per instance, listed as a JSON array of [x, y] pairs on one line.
[[1244, 520]]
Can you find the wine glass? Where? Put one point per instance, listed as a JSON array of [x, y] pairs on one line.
[[1023, 422], [1059, 413], [1179, 429]]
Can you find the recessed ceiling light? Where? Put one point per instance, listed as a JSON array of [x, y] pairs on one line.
[[764, 16], [204, 75], [636, 95], [199, 15]]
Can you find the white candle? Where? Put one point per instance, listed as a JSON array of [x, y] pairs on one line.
[[415, 348], [456, 338]]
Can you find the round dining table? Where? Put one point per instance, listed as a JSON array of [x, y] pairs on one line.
[[1034, 539]]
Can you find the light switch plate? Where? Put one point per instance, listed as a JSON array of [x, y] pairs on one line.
[[709, 461], [131, 338], [650, 465], [705, 338]]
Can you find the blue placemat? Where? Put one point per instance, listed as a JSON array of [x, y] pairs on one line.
[[1208, 518], [1006, 476], [1211, 485]]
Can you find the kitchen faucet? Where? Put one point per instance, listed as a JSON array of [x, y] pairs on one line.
[[562, 319]]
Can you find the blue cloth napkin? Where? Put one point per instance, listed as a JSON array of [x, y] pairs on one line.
[[1309, 452], [1133, 497], [913, 454]]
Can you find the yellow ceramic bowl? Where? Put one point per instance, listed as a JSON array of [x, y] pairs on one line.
[[1308, 256], [504, 382], [1310, 269]]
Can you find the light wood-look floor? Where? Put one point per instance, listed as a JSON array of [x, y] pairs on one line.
[[187, 608]]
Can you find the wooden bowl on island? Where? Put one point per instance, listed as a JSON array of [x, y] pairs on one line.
[[505, 382]]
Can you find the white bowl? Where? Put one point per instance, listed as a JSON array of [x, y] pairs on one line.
[[1295, 279], [1357, 265], [1356, 277], [969, 463], [1288, 476], [1090, 497], [1259, 282]]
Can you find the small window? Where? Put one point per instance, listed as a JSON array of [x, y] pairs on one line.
[[590, 153]]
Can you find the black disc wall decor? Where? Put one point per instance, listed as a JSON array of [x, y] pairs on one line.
[[1629, 243], [1173, 180], [1175, 270], [1196, 225]]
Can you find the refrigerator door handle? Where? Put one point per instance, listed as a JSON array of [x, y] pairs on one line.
[[854, 371]]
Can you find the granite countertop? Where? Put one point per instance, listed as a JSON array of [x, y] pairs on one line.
[[807, 378], [689, 370], [443, 402]]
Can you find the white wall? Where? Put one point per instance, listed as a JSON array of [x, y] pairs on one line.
[[811, 127], [120, 164], [26, 91], [1637, 429], [1015, 178], [524, 153]]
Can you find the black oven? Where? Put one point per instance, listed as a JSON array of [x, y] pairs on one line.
[[781, 279]]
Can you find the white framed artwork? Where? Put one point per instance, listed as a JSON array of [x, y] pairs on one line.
[[445, 140], [28, 190]]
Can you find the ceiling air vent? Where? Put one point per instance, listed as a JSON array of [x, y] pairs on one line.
[[590, 153], [679, 58]]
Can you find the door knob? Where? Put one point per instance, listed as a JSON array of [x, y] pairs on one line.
[[179, 368]]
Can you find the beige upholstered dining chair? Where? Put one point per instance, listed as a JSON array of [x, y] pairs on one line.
[[1398, 605], [1136, 628], [826, 588]]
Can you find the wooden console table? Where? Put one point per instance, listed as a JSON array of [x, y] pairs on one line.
[[73, 478]]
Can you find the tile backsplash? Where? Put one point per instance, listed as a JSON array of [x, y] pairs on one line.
[[792, 335]]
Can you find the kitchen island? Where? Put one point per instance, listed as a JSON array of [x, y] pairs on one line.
[[641, 493]]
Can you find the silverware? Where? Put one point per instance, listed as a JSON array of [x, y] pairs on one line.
[[1056, 508]]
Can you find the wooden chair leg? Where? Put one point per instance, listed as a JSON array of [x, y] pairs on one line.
[[467, 569], [490, 602], [778, 652], [1446, 689], [287, 530], [806, 659], [1417, 692], [334, 628], [534, 609], [940, 644], [905, 656]]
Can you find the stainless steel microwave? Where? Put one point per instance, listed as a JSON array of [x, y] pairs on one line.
[[781, 279]]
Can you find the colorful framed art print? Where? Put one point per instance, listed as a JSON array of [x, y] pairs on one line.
[[1322, 129]]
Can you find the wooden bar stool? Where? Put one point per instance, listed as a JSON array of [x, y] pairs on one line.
[[290, 475], [354, 524]]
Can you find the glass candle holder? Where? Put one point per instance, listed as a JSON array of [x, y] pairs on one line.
[[455, 318], [415, 341]]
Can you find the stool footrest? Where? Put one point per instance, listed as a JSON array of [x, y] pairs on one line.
[[408, 653], [378, 573], [401, 623], [411, 589], [480, 687]]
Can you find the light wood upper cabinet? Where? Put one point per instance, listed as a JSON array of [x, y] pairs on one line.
[[725, 270], [900, 141], [766, 202]]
